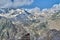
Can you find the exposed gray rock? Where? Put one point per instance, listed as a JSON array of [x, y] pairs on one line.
[[9, 31], [18, 26], [52, 34]]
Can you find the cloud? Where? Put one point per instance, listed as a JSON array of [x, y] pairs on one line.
[[14, 3], [47, 12], [53, 9], [35, 10]]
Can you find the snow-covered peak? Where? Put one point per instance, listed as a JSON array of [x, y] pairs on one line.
[[12, 13]]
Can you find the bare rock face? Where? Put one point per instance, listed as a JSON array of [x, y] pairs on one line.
[[52, 34], [26, 37], [7, 29], [14, 27]]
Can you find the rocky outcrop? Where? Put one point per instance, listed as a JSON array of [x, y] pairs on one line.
[[9, 31], [22, 25], [51, 34]]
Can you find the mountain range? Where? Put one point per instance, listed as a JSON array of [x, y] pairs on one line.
[[15, 23]]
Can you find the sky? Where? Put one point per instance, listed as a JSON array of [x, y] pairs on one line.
[[43, 4], [28, 3]]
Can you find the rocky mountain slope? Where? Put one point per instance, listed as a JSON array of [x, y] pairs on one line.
[[15, 24]]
